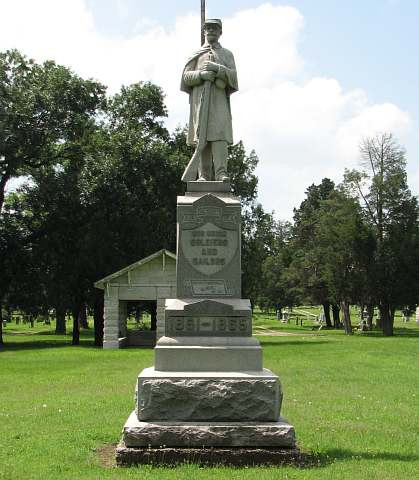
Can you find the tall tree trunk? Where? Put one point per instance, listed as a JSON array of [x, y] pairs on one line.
[[154, 316], [335, 313], [83, 317], [346, 317], [386, 322], [60, 328], [370, 317], [98, 318], [326, 310], [76, 326]]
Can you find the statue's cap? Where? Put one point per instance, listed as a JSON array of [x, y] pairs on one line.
[[214, 21]]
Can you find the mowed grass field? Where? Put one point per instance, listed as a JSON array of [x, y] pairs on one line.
[[354, 402]]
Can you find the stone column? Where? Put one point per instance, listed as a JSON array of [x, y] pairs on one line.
[[160, 318], [111, 319]]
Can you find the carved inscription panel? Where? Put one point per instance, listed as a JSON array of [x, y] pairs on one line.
[[205, 326], [209, 248]]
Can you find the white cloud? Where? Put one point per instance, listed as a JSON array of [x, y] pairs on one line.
[[301, 130]]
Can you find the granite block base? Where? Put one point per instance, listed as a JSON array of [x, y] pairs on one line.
[[238, 457], [208, 396], [207, 434]]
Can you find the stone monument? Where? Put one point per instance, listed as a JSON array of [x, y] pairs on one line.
[[208, 391]]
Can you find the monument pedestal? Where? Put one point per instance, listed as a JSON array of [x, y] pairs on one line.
[[207, 434], [208, 388], [208, 396]]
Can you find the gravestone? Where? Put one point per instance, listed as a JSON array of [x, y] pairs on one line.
[[208, 389]]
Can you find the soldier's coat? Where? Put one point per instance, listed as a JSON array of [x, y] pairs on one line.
[[219, 115]]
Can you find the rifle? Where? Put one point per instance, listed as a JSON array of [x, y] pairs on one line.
[[190, 173]]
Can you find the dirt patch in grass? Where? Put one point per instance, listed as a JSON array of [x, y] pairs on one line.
[[106, 455]]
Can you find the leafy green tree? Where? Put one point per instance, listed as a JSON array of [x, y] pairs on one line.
[[258, 242], [392, 215], [41, 108], [241, 170], [346, 246], [276, 289], [305, 271], [56, 221], [105, 203], [130, 181], [12, 257]]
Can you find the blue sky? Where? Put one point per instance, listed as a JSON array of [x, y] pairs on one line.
[[369, 43], [314, 75]]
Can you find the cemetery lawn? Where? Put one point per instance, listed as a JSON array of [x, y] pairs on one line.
[[354, 402]]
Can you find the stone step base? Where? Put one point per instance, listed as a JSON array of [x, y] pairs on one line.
[[172, 359], [210, 457], [208, 396], [207, 434], [223, 354]]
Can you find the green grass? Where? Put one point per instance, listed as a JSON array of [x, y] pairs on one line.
[[353, 402]]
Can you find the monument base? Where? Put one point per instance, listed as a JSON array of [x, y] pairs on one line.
[[208, 396], [137, 434], [239, 457], [200, 354]]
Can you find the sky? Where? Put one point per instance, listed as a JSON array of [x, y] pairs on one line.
[[315, 77]]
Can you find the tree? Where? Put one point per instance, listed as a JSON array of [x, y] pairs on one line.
[[306, 270], [392, 215], [276, 289], [56, 221], [93, 210], [44, 111], [12, 254], [345, 244], [41, 108], [241, 170], [258, 242]]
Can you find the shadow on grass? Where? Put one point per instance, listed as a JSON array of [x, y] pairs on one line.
[[334, 454], [42, 344], [238, 457], [398, 332], [28, 342], [310, 460]]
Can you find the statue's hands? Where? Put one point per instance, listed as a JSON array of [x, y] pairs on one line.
[[207, 76], [210, 67]]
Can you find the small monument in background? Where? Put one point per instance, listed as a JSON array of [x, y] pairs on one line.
[[208, 398]]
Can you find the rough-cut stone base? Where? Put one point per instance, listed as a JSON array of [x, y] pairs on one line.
[[207, 434], [208, 396], [126, 456]]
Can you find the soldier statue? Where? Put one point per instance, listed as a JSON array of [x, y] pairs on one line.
[[209, 77]]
